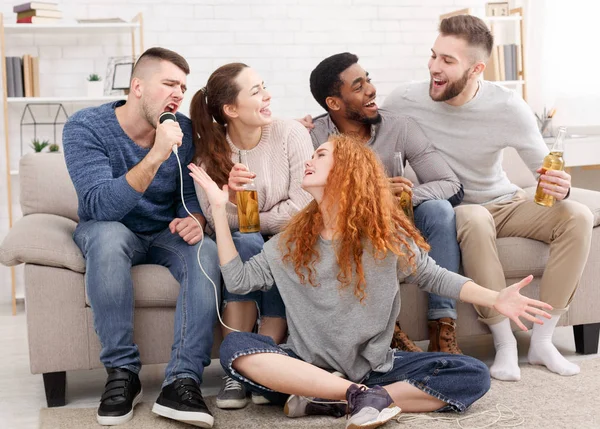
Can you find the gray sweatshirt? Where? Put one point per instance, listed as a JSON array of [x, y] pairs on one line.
[[471, 137], [328, 326], [399, 133]]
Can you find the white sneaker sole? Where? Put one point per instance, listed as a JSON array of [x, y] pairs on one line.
[[231, 404], [202, 420], [382, 418], [119, 420], [260, 400]]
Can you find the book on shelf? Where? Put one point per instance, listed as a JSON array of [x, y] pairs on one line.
[[504, 63], [10, 80], [40, 12], [37, 20], [17, 63], [35, 68], [35, 5], [27, 76], [22, 76]]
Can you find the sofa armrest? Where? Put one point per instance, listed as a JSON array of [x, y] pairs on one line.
[[587, 197], [42, 239]]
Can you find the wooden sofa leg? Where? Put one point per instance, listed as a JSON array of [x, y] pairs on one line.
[[586, 338], [55, 384]]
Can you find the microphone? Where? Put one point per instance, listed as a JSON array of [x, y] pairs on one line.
[[165, 117]]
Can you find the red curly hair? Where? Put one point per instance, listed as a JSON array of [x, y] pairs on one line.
[[367, 212]]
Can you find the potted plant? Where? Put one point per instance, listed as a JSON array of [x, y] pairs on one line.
[[54, 148], [95, 87], [38, 145]]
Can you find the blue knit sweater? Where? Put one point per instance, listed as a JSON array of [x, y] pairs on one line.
[[98, 154]]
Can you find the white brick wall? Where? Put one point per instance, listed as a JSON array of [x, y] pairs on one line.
[[283, 39]]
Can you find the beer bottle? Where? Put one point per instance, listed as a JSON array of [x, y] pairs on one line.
[[247, 203], [405, 197], [553, 161]]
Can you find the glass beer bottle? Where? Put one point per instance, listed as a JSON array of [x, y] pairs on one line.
[[247, 203], [405, 197], [553, 161]]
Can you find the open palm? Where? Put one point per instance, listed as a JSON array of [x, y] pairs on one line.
[[217, 197], [513, 305]]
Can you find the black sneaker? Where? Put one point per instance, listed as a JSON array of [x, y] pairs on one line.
[[182, 400], [122, 392]]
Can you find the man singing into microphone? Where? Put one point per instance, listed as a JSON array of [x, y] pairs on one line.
[[120, 158]]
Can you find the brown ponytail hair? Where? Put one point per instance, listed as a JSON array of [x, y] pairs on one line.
[[212, 149]]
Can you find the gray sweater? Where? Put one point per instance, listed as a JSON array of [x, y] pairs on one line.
[[471, 137], [328, 326], [399, 133]]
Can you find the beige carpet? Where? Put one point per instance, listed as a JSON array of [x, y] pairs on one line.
[[542, 399]]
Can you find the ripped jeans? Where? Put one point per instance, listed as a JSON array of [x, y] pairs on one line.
[[457, 380]]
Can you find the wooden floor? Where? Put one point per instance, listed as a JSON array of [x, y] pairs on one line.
[[22, 394]]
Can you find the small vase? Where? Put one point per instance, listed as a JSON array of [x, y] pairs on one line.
[[95, 89]]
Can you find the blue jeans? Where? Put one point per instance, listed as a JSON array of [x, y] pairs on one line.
[[457, 380], [110, 250], [436, 221], [269, 303]]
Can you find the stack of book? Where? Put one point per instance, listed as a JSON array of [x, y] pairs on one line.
[[504, 63], [23, 76], [37, 12]]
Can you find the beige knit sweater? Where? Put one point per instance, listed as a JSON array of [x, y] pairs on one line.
[[278, 161]]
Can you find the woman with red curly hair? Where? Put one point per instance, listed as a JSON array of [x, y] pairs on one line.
[[338, 265]]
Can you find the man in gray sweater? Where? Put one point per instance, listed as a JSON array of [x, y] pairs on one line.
[[470, 122], [344, 89]]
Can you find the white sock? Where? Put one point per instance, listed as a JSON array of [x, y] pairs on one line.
[[506, 362], [543, 352]]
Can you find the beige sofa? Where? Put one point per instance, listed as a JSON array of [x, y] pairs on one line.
[[59, 319]]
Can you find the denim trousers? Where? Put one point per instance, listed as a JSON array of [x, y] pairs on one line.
[[110, 250], [268, 303], [436, 221], [457, 380]]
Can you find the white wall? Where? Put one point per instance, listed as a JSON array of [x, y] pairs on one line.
[[283, 39]]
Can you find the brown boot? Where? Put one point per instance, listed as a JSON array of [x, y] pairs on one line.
[[442, 336], [401, 341]]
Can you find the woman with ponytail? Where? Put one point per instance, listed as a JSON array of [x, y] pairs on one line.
[[338, 265], [231, 114]]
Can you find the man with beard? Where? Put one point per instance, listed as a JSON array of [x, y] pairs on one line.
[[127, 180], [343, 88], [470, 122]]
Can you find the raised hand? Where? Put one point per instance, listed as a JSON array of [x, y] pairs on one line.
[[217, 197], [513, 305]]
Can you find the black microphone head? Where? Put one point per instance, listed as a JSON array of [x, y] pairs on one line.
[[167, 116]]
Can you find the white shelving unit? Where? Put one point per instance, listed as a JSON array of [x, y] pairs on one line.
[[63, 27], [43, 100], [135, 28]]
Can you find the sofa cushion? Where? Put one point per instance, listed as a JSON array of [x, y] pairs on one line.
[[46, 186], [42, 239], [522, 256]]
